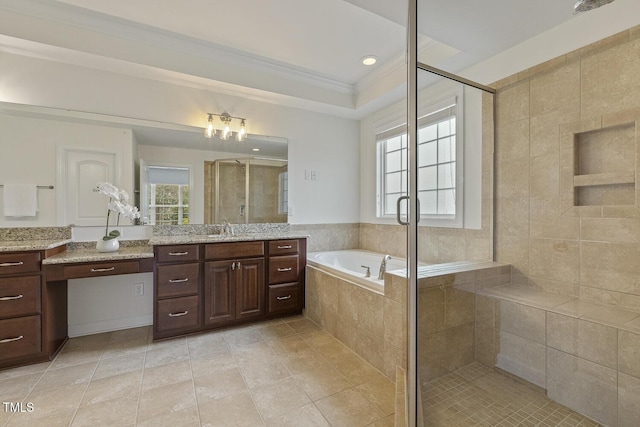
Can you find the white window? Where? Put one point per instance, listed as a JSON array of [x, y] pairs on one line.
[[168, 195], [440, 155]]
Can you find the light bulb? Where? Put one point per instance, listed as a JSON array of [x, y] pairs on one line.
[[225, 132], [242, 133], [209, 131]]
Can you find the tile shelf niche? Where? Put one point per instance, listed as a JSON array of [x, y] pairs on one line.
[[599, 159]]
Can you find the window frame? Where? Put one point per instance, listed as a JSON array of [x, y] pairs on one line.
[[455, 101], [180, 205]]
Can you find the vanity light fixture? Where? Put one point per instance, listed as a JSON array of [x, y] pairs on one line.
[[225, 132]]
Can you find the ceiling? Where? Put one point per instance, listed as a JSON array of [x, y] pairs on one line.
[[301, 53]]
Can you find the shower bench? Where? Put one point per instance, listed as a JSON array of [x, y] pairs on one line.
[[584, 354]]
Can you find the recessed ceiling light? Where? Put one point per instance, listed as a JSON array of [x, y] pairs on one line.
[[256, 149], [369, 60]]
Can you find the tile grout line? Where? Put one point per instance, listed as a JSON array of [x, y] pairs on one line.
[[144, 362], [84, 393], [193, 382]]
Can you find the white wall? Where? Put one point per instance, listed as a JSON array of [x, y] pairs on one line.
[[106, 304], [327, 144]]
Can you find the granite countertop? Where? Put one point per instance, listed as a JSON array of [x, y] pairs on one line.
[[214, 238], [87, 253], [92, 255], [31, 245]]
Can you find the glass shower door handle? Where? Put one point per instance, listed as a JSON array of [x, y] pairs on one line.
[[398, 218]]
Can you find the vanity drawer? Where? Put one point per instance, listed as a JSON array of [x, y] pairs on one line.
[[284, 269], [177, 313], [284, 297], [177, 279], [24, 262], [283, 247], [19, 296], [101, 269], [19, 337], [214, 251], [178, 253]]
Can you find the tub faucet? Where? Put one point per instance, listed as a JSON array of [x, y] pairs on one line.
[[368, 272], [383, 266]]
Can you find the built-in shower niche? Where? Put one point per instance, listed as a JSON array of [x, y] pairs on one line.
[[598, 161]]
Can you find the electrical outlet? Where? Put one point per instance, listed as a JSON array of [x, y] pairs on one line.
[[138, 289]]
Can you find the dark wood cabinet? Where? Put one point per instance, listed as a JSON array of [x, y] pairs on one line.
[[176, 290], [231, 282], [31, 327], [219, 292], [234, 288], [287, 261], [250, 288]]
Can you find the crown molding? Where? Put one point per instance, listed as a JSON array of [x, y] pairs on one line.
[[88, 20]]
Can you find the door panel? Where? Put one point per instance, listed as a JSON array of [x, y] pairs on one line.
[[250, 297], [219, 292], [82, 171]]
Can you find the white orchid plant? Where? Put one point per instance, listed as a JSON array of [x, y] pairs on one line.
[[118, 204]]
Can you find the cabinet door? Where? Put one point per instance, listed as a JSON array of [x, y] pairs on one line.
[[219, 292], [251, 290]]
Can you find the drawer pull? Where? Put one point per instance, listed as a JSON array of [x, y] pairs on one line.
[[182, 313], [102, 270], [285, 247], [179, 253], [8, 340], [11, 298], [285, 269], [283, 298], [186, 279], [11, 264]]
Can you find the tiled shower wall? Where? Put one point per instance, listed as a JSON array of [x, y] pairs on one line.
[[593, 253]]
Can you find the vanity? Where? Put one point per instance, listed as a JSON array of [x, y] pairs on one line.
[[209, 284], [201, 282]]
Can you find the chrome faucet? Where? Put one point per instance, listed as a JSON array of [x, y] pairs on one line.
[[368, 272], [227, 229], [383, 266]]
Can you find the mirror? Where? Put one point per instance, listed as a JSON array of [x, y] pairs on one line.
[[249, 196], [171, 147]]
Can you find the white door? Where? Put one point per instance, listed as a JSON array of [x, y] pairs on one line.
[[80, 172]]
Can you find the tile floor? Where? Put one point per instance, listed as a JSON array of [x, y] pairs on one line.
[[475, 395], [285, 372]]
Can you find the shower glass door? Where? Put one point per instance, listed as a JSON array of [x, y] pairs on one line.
[[451, 127], [454, 167]]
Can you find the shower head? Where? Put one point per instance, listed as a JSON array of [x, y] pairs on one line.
[[587, 5]]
